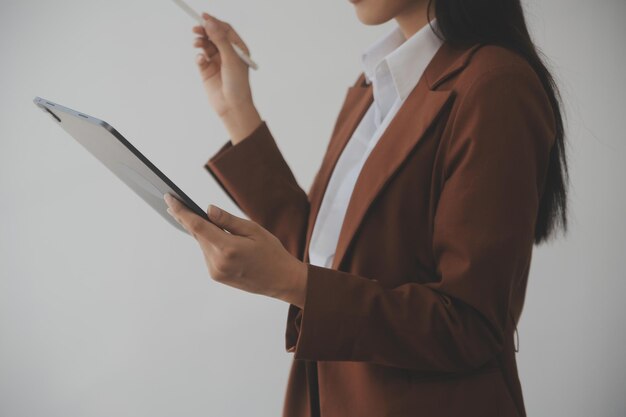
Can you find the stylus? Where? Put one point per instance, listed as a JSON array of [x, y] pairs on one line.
[[191, 12]]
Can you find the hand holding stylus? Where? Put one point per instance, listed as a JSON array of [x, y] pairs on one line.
[[244, 55], [224, 70], [226, 77]]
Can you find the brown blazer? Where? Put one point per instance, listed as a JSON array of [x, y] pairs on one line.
[[417, 315]]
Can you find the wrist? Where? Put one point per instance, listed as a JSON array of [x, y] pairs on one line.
[[241, 121], [295, 291]]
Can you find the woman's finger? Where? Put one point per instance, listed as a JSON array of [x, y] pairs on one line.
[[202, 61], [196, 225], [208, 67], [217, 31], [209, 48], [231, 223], [232, 34], [199, 30]]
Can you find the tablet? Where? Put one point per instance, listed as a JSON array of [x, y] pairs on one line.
[[120, 157]]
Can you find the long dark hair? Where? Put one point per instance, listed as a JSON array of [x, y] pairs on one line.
[[502, 22]]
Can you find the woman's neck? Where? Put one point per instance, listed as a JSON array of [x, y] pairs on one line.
[[414, 17]]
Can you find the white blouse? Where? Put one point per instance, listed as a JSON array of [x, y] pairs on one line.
[[394, 66]]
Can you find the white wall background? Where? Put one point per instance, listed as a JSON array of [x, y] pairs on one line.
[[107, 310]]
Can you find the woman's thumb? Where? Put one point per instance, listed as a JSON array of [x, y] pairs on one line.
[[235, 225]]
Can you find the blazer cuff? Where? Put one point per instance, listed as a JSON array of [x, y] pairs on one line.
[[254, 174], [328, 329]]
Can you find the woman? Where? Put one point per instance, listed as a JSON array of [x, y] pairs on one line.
[[405, 265]]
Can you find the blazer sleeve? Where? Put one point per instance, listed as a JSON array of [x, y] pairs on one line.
[[496, 158], [254, 174]]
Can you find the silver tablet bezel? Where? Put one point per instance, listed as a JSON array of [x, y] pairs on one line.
[[139, 161]]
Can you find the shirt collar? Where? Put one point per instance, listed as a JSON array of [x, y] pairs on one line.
[[405, 59]]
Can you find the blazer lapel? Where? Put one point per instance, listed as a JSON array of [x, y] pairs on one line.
[[402, 135], [358, 99]]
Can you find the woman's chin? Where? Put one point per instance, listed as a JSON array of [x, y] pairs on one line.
[[368, 18], [369, 14]]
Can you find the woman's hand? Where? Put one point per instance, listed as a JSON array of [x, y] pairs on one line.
[[249, 257], [226, 77]]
